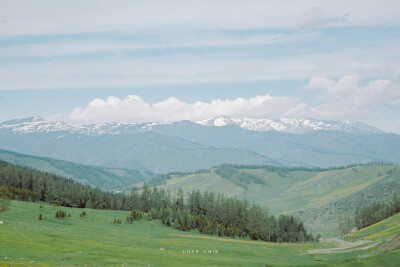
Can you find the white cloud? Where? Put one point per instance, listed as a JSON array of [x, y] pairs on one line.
[[134, 109], [348, 97], [316, 16]]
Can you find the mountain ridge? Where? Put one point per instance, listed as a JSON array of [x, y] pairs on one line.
[[190, 146], [295, 126]]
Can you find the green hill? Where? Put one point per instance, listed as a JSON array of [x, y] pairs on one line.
[[318, 196], [105, 178]]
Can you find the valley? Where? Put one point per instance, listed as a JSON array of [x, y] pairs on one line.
[[287, 172], [318, 196]]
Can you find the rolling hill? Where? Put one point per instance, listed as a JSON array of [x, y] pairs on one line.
[[318, 196], [105, 178]]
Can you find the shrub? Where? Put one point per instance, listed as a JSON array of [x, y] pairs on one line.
[[61, 214]]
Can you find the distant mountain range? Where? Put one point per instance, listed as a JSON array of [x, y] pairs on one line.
[[297, 126], [189, 146]]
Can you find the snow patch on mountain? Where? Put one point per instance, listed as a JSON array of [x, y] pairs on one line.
[[297, 126], [37, 124]]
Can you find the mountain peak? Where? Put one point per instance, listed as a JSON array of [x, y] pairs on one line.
[[219, 121], [297, 126]]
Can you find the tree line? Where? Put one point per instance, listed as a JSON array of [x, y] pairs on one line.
[[370, 214], [208, 212], [237, 176], [236, 172], [376, 212]]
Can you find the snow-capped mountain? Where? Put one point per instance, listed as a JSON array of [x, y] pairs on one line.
[[297, 126], [37, 124], [189, 146]]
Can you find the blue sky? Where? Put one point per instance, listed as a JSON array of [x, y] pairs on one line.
[[97, 61]]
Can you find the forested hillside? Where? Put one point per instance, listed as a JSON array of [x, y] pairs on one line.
[[105, 178], [318, 196], [209, 212]]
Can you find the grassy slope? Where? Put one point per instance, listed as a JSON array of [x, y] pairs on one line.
[[379, 231], [319, 198], [24, 240], [106, 178]]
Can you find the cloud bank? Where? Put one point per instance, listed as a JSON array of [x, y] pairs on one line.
[[135, 109], [345, 98]]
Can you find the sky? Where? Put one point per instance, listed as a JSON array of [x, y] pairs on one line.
[[99, 61]]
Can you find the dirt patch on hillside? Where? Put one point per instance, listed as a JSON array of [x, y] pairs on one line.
[[345, 247]]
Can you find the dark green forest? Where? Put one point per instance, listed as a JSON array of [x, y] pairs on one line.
[[237, 176], [210, 213], [376, 212]]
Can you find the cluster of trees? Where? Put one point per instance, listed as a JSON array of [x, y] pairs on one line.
[[61, 214], [135, 215], [376, 212], [117, 221], [209, 212], [346, 225], [216, 214], [237, 176], [282, 171], [161, 179]]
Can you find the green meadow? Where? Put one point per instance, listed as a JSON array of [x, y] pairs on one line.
[[95, 241]]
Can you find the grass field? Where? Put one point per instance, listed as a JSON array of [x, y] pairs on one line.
[[95, 241]]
